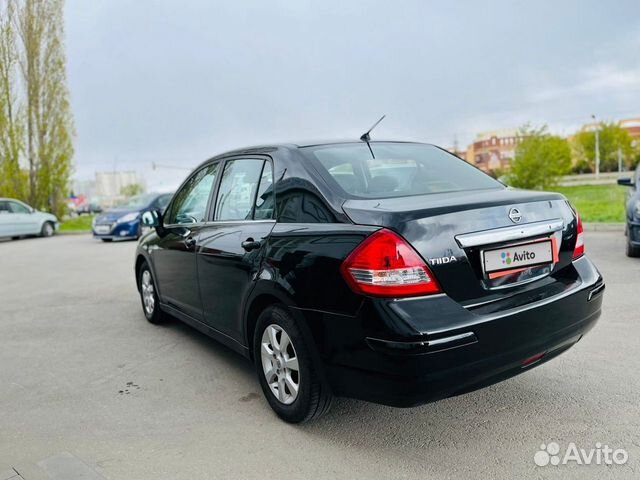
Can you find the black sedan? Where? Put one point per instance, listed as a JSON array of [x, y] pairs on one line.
[[632, 229], [391, 272]]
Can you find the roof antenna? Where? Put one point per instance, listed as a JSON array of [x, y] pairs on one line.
[[365, 136]]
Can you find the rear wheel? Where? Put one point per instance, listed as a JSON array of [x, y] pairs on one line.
[[289, 375], [149, 295], [47, 229]]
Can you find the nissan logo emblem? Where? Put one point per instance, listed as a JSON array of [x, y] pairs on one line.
[[515, 215]]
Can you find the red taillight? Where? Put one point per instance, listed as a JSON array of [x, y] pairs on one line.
[[385, 265], [578, 251]]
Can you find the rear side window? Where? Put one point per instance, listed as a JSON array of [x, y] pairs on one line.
[[238, 189], [396, 169]]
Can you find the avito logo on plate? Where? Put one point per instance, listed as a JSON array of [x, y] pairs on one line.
[[518, 256]]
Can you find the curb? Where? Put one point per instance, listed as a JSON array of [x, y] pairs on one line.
[[74, 233], [604, 227]]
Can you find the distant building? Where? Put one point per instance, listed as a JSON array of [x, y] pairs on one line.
[[86, 188], [458, 152], [632, 125], [495, 150], [109, 186]]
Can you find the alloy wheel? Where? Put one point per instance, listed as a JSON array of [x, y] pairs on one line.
[[280, 364], [148, 294]]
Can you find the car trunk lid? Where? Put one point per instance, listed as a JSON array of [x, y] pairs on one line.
[[463, 235]]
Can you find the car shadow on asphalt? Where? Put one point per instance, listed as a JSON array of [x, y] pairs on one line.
[[353, 422]]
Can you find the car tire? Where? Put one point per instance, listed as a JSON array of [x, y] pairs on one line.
[[47, 230], [313, 398], [631, 250], [149, 295]]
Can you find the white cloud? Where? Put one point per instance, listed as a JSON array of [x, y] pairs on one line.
[[607, 79]]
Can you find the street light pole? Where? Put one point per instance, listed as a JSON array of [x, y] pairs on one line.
[[597, 147]]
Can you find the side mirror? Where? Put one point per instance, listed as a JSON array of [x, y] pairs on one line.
[[625, 182], [152, 218]]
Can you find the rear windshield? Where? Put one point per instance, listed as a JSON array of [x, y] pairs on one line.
[[397, 169]]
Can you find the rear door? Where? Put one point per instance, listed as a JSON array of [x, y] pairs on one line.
[[230, 245], [175, 257]]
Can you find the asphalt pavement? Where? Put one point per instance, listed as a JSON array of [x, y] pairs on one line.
[[89, 389]]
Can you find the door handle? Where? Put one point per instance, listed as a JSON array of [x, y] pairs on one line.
[[190, 242], [250, 244]]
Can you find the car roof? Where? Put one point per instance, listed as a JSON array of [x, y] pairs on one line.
[[265, 148]]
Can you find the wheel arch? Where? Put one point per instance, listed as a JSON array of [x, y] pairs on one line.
[[255, 307], [140, 259]]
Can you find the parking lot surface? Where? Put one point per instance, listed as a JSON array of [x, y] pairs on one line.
[[87, 385]]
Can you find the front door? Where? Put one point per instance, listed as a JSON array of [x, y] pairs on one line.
[[175, 258], [229, 248], [26, 223]]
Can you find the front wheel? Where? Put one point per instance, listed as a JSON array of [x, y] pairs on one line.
[[632, 251], [149, 295], [288, 374], [47, 229]]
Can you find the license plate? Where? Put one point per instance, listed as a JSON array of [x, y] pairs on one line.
[[102, 229], [517, 256]]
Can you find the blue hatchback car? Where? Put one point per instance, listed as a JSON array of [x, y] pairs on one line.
[[123, 222]]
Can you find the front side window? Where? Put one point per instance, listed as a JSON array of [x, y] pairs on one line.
[[4, 207], [238, 189], [396, 169], [18, 208], [190, 203]]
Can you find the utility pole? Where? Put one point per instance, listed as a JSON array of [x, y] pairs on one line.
[[619, 160], [597, 146]]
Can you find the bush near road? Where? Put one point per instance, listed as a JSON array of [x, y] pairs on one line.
[[597, 203], [81, 223]]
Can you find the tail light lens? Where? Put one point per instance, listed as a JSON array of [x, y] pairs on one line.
[[385, 265], [578, 251]]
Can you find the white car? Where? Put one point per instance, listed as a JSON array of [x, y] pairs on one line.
[[18, 219]]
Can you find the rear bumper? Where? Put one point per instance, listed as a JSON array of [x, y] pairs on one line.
[[456, 350]]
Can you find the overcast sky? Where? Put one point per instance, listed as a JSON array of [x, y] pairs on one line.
[[177, 81]]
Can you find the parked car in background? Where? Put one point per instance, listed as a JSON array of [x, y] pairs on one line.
[[392, 272], [17, 219], [632, 229], [88, 209], [123, 222]]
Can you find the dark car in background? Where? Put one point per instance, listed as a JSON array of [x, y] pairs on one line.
[[123, 222], [392, 272], [632, 229]]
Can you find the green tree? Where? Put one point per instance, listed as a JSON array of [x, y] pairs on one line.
[[13, 180], [36, 123], [49, 122], [611, 139], [539, 159], [132, 190]]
